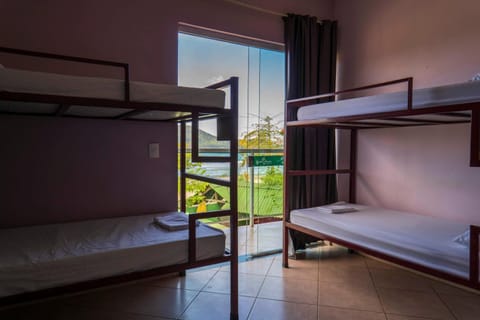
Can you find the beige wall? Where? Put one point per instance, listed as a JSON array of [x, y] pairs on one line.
[[424, 170]]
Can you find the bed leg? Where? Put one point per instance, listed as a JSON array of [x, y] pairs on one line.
[[285, 248], [182, 273], [233, 316]]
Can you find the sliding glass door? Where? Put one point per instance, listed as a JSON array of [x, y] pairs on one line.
[[203, 61]]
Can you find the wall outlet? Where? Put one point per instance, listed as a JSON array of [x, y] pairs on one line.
[[154, 150]]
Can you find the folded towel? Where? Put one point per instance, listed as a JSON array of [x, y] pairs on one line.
[[336, 208], [173, 222]]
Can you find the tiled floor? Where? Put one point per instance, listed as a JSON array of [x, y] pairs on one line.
[[328, 284]]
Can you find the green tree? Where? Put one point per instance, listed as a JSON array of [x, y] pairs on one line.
[[265, 135], [273, 177]]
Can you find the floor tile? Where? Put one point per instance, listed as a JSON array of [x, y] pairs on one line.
[[399, 279], [56, 311], [330, 313], [288, 289], [248, 284], [147, 300], [265, 309], [309, 254], [441, 287], [463, 307], [344, 274], [379, 264], [354, 295], [258, 266], [413, 303], [297, 269], [215, 306], [193, 280], [342, 259]]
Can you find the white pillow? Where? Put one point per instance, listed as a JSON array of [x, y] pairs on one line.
[[463, 238], [476, 77]]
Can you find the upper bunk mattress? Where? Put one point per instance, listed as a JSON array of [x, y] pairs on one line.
[[39, 257], [417, 238], [460, 93], [21, 81]]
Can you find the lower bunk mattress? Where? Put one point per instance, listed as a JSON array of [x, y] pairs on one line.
[[40, 257], [425, 240]]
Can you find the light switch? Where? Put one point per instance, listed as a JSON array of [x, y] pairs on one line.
[[154, 150]]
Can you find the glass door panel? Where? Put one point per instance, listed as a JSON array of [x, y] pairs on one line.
[[203, 61]]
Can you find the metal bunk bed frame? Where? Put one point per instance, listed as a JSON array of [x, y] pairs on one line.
[[194, 115], [381, 120]]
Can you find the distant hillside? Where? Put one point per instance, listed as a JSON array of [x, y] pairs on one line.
[[206, 140]]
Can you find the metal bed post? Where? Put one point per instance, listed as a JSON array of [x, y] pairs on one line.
[[473, 272], [286, 204], [353, 166], [475, 139], [183, 164], [233, 200]]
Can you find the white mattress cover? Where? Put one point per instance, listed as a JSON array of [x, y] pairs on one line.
[[39, 257], [422, 98], [13, 80], [425, 240]]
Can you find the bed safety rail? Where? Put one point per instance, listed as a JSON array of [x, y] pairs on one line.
[[124, 66], [313, 99], [139, 107]]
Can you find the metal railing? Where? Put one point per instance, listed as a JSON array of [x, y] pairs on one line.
[[253, 196]]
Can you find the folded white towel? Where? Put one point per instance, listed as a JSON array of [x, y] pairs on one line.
[[336, 208], [173, 222]]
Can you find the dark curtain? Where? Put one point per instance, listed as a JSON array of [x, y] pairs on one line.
[[310, 51]]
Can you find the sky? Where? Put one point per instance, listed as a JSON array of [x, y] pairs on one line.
[[261, 72]]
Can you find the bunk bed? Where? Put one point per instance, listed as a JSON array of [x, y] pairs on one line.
[[43, 261], [437, 247]]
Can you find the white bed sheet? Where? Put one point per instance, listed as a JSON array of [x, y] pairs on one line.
[[421, 239], [39, 257], [422, 98], [13, 80]]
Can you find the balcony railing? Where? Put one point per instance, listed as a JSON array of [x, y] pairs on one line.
[[260, 185]]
